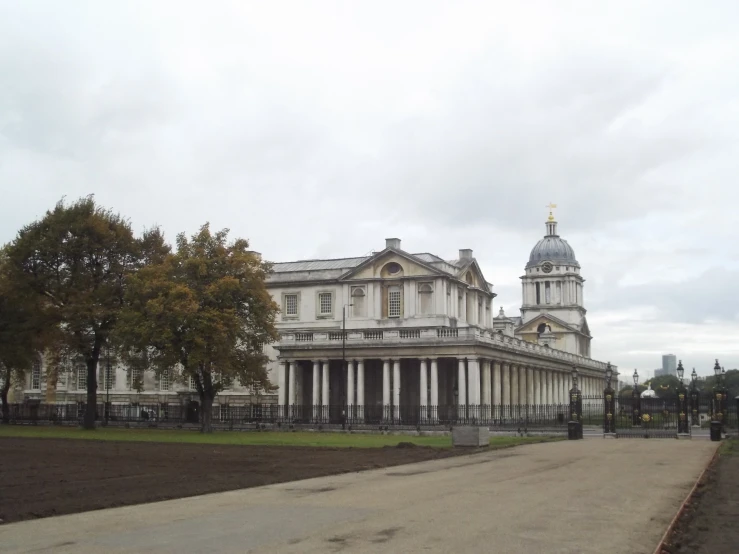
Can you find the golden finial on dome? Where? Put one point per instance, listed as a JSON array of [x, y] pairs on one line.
[[551, 207]]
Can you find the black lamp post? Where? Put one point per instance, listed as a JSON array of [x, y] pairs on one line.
[[694, 399], [609, 404], [682, 402], [107, 384], [574, 427], [636, 401], [719, 397], [343, 346]]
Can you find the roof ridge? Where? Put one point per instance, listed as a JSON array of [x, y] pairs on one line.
[[322, 260]]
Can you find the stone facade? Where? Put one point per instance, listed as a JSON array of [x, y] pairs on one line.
[[396, 330]]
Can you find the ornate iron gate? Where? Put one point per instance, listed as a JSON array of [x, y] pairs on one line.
[[648, 418]]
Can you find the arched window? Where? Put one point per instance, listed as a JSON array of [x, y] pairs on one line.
[[359, 307], [425, 298]]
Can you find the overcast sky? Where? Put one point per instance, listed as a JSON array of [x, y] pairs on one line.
[[318, 129]]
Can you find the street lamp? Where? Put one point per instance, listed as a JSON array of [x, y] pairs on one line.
[[680, 371], [717, 369], [609, 375], [694, 378], [343, 337], [107, 384], [636, 402], [574, 378]]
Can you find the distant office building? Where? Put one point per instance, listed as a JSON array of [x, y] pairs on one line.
[[669, 365], [659, 372]]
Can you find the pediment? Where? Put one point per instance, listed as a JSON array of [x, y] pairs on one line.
[[391, 263], [556, 325], [472, 274]]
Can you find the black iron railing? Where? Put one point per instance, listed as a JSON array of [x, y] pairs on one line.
[[654, 414]]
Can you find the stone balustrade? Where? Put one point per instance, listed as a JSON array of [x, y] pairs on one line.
[[424, 335]]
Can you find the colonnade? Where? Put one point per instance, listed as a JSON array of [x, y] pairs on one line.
[[479, 382]]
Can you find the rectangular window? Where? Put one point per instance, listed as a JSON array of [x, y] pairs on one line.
[[538, 293], [36, 376], [135, 379], [164, 381], [82, 378], [109, 377], [393, 302], [325, 303], [291, 305], [192, 383], [547, 292]]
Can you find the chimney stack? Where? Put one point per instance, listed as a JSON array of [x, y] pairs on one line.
[[392, 243], [465, 253]]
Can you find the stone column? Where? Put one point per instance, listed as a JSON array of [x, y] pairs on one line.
[[473, 369], [537, 386], [396, 389], [496, 384], [542, 386], [522, 388], [292, 382], [473, 381], [434, 400], [281, 385], [461, 389], [515, 398], [549, 399], [325, 400], [360, 390], [505, 370], [487, 392], [423, 388], [316, 388], [386, 389], [350, 389], [530, 386]]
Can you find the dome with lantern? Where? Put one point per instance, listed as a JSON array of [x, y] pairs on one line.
[[552, 248]]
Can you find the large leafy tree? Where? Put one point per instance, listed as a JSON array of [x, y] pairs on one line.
[[23, 337], [204, 310], [78, 258]]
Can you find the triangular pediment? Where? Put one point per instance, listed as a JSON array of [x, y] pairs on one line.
[[381, 266], [555, 324], [472, 274]]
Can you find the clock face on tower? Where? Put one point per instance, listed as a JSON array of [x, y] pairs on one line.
[[546, 267]]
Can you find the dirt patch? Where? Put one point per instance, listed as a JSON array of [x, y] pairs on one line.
[[47, 477], [709, 522]]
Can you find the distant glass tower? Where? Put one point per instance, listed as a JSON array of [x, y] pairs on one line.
[[669, 364]]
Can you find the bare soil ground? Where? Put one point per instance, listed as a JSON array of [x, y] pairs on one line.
[[710, 522], [47, 477]]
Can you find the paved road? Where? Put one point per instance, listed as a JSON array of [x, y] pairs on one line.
[[578, 496]]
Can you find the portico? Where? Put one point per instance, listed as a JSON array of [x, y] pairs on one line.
[[469, 376]]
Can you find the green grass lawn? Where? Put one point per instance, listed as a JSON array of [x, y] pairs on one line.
[[303, 438]]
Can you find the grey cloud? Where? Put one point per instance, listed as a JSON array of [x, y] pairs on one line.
[[321, 132]]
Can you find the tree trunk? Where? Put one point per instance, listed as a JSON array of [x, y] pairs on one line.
[[206, 418], [4, 394], [92, 393]]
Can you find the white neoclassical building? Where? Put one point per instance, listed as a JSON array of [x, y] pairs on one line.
[[396, 334]]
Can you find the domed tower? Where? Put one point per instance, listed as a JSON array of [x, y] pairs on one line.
[[553, 311]]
